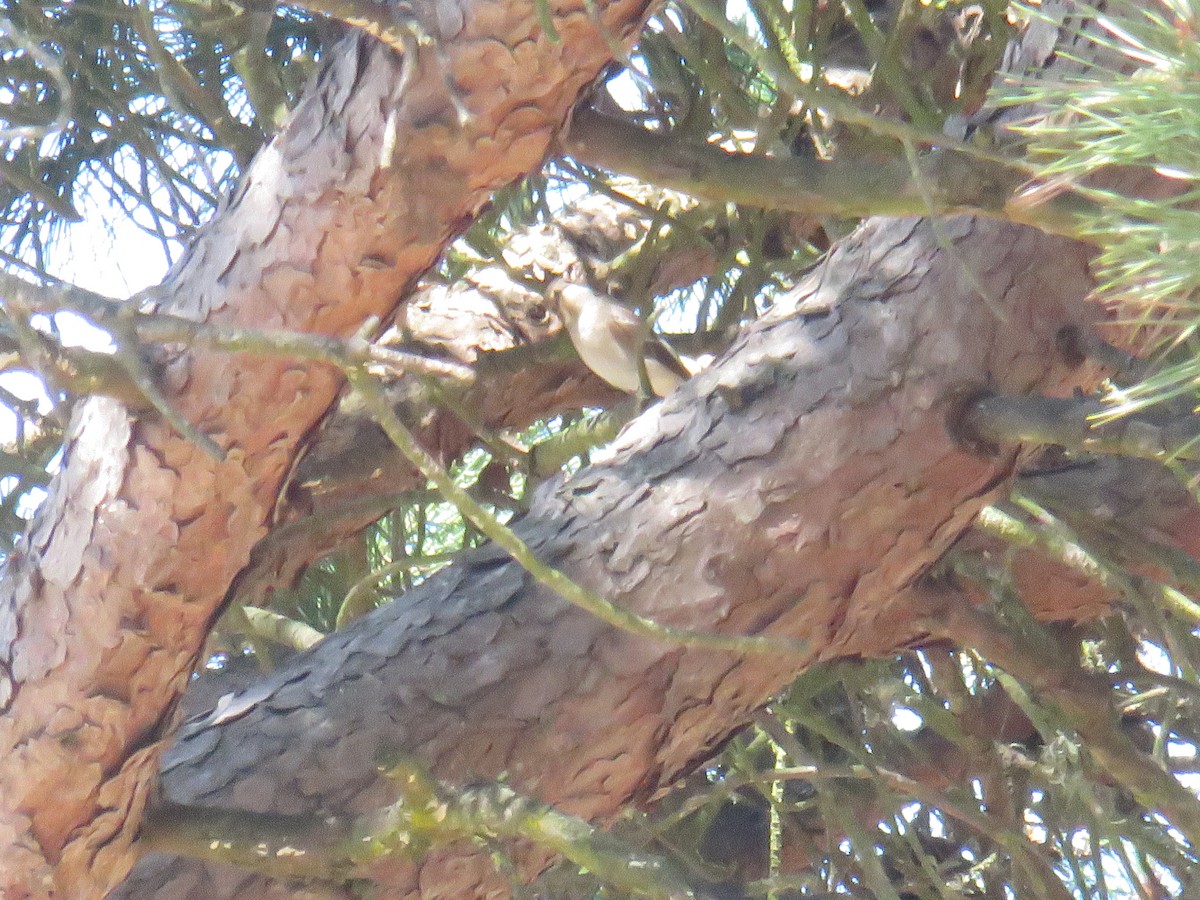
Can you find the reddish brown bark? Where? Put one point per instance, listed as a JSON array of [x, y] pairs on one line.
[[351, 474], [795, 488], [104, 610], [351, 462]]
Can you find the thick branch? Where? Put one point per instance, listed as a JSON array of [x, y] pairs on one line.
[[1081, 425], [944, 181], [791, 490], [105, 609]]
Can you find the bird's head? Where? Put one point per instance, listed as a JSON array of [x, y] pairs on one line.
[[567, 298]]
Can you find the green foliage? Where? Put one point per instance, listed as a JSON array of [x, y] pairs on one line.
[[935, 773], [1138, 107], [152, 106]]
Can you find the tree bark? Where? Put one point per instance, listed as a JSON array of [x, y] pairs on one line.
[[104, 610], [795, 488], [352, 473]]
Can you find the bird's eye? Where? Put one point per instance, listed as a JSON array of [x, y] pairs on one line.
[[538, 313]]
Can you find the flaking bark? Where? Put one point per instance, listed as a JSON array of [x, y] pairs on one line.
[[794, 488], [104, 610]]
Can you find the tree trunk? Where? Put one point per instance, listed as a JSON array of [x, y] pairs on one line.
[[796, 488], [104, 610]]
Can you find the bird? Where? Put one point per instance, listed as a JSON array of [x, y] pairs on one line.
[[608, 337]]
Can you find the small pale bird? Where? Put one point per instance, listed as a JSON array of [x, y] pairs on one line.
[[607, 334]]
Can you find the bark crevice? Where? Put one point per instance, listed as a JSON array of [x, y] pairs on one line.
[[795, 488]]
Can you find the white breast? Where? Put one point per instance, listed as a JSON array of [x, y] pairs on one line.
[[614, 363]]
